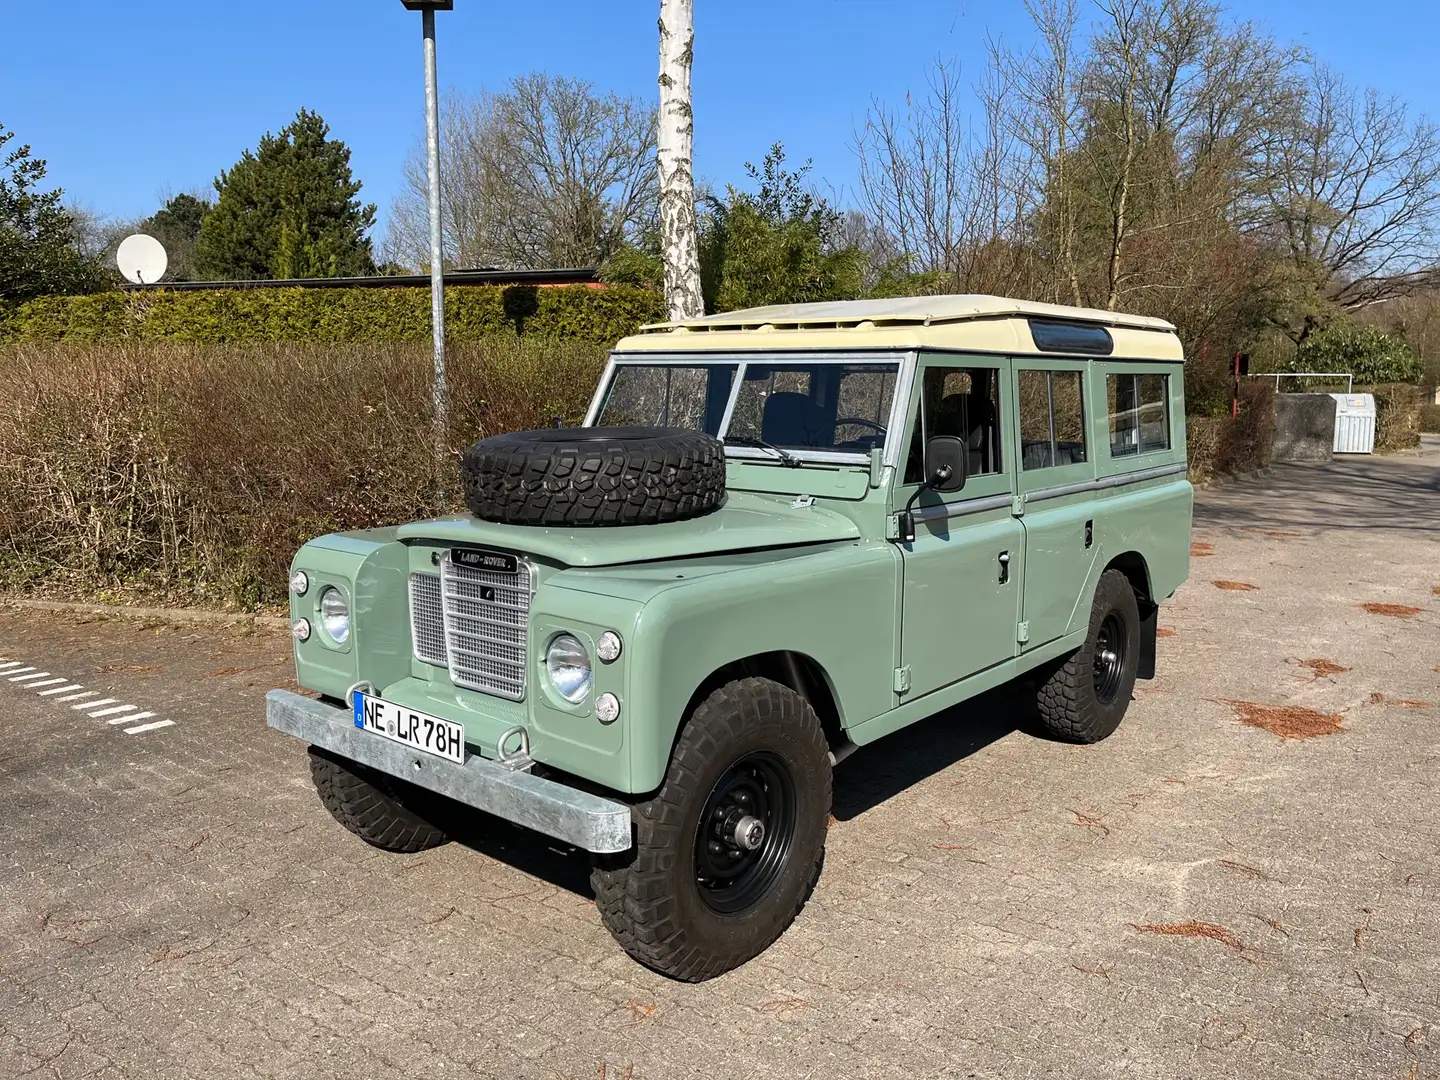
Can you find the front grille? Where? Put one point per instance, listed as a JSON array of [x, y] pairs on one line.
[[474, 622], [427, 619]]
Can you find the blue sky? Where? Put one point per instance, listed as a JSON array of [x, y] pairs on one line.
[[127, 100]]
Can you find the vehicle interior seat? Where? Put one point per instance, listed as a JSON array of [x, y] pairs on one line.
[[795, 420]]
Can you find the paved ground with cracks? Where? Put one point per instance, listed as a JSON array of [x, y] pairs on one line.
[[1199, 896]]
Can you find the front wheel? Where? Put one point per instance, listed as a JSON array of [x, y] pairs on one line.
[[728, 850], [1083, 698], [384, 812]]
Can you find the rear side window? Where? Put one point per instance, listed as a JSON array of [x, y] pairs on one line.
[[1052, 419], [1139, 413], [1062, 337]]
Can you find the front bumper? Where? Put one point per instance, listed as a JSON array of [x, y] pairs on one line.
[[588, 821]]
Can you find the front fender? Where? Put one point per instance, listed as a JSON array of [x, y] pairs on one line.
[[837, 605]]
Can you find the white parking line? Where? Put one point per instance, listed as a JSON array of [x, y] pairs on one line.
[[148, 727], [61, 690], [114, 710], [111, 710], [131, 718]]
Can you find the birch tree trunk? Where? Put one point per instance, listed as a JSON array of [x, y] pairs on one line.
[[679, 243]]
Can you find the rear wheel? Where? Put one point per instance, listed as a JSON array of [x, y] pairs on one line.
[[382, 810], [1084, 697], [728, 850]]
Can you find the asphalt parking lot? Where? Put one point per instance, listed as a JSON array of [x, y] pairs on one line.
[[1243, 882]]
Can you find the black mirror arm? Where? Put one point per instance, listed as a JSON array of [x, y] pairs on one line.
[[906, 519]]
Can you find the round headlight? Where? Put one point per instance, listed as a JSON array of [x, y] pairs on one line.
[[568, 666], [299, 582], [300, 629], [335, 614], [607, 647]]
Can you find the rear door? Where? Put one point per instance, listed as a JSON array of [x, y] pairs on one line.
[[1057, 496], [962, 572]]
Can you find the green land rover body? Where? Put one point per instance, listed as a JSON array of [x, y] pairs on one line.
[[911, 501]]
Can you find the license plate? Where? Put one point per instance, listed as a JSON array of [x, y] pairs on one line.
[[417, 730]]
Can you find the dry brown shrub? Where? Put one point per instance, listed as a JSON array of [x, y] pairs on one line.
[[1286, 721], [194, 472], [1235, 586], [1208, 931], [1435, 591], [1200, 548], [1323, 668], [1394, 611]]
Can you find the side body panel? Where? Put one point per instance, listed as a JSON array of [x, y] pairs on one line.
[[1058, 561], [958, 615], [835, 605]]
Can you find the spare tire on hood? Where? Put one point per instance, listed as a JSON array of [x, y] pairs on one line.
[[595, 476]]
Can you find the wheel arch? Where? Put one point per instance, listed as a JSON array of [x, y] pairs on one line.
[[788, 667], [1137, 571]]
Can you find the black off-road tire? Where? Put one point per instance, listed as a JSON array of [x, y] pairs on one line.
[[595, 476], [1070, 697], [653, 904], [381, 810]]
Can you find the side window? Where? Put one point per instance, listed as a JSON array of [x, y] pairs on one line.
[[959, 401], [1139, 413], [1052, 418]]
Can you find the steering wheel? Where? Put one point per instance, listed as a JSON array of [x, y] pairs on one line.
[[878, 428]]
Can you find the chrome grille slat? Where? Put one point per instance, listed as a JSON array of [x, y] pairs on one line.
[[427, 619], [485, 639], [482, 642]]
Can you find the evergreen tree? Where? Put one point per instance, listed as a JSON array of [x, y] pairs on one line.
[[288, 210], [779, 245], [177, 226], [38, 237]]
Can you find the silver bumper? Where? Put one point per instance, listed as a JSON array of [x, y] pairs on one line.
[[588, 821]]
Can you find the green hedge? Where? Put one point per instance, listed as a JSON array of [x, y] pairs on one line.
[[222, 316]]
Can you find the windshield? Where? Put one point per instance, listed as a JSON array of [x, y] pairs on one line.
[[820, 406]]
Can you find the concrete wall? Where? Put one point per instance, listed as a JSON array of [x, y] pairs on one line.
[[1304, 427]]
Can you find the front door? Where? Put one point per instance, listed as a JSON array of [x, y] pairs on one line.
[[1055, 475], [962, 573]]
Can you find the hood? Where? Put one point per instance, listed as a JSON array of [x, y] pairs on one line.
[[747, 520]]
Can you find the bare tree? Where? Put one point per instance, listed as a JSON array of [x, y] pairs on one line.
[[549, 173], [679, 239], [1048, 83], [1355, 208]]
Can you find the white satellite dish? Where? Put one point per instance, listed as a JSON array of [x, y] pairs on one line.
[[142, 259]]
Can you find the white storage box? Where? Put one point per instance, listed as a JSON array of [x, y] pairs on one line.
[[1354, 423]]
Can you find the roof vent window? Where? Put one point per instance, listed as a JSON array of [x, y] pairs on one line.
[[1065, 337]]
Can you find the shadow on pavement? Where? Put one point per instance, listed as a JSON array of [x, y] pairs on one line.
[[868, 778], [880, 771], [1348, 493]]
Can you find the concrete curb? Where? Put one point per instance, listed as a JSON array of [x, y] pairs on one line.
[[1221, 479], [174, 616]]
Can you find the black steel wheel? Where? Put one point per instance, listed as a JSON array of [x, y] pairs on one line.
[[1110, 650], [728, 850], [745, 833], [1083, 697]]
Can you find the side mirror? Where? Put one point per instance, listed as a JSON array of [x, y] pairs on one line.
[[947, 466], [947, 463]]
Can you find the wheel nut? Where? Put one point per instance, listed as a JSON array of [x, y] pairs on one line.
[[749, 833]]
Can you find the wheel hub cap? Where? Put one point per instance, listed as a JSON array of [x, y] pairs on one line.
[[743, 837]]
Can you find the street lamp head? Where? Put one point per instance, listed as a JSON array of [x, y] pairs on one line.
[[429, 5]]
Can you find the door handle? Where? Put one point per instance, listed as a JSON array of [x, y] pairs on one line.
[[1004, 567]]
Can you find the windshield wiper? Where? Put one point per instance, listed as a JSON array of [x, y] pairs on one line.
[[785, 456]]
